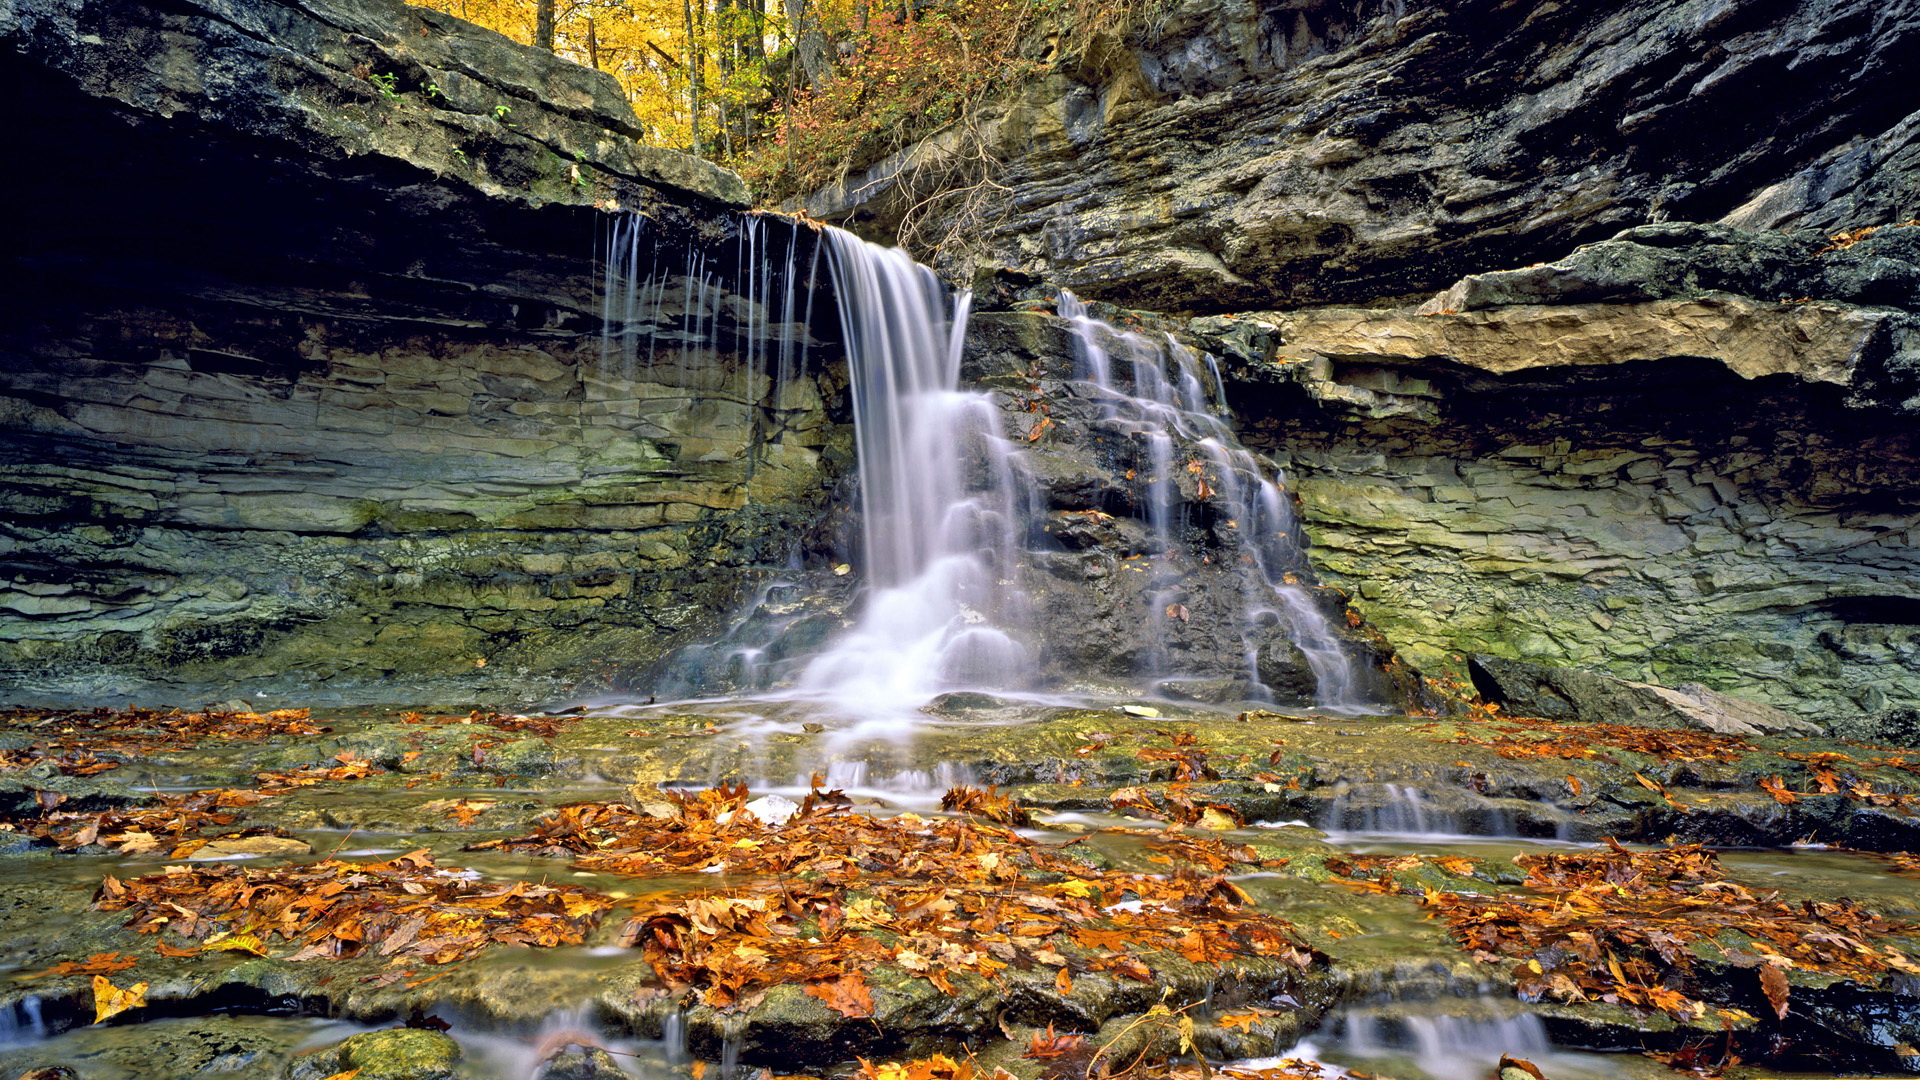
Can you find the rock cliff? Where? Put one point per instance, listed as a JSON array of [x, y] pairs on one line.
[[301, 368], [1239, 154], [1613, 462]]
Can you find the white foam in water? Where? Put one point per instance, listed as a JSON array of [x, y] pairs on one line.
[[516, 1057], [1413, 1045], [22, 1023]]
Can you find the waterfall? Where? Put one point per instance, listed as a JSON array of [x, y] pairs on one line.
[[947, 509], [942, 500], [1175, 394]]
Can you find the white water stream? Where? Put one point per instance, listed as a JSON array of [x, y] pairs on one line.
[[946, 505]]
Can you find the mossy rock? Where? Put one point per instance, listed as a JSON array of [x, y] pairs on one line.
[[398, 1054]]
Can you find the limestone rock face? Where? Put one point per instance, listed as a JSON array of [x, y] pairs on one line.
[[1637, 460], [301, 374], [1565, 694], [1237, 155]]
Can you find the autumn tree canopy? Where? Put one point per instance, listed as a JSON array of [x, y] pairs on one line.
[[789, 92]]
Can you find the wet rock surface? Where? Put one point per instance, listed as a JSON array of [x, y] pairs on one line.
[[1083, 770]]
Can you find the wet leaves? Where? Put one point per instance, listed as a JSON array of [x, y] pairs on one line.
[[135, 730], [351, 767], [988, 804], [172, 826], [1551, 739], [404, 907], [1643, 929], [842, 892], [98, 964]]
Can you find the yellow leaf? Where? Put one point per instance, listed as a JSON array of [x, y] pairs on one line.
[[247, 943], [348, 1075], [110, 1001], [1075, 887]]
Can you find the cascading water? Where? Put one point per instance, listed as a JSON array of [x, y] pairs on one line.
[[942, 501], [1175, 394], [949, 514]]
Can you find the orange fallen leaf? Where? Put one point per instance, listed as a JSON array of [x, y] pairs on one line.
[[846, 995], [98, 964], [1243, 1021], [1776, 787], [1773, 983]]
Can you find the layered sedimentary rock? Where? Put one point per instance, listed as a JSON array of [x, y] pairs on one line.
[[301, 369], [1612, 462], [1231, 155]]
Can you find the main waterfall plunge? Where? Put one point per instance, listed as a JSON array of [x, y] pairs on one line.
[[960, 542]]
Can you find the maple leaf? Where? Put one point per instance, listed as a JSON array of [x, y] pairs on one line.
[[847, 995], [1045, 1047], [1243, 1021]]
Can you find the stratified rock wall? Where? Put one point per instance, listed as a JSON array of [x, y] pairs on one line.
[[1597, 463], [301, 374], [1239, 154]]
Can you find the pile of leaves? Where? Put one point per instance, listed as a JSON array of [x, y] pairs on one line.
[[844, 891], [1076, 1057], [71, 763], [405, 908], [134, 730], [1635, 929], [172, 824], [351, 767], [1823, 768], [1174, 803], [540, 727], [1551, 739]]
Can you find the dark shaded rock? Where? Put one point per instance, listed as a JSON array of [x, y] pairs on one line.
[[1524, 689], [303, 380], [1238, 156], [1890, 727]]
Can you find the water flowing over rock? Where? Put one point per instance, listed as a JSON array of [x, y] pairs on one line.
[[1127, 537]]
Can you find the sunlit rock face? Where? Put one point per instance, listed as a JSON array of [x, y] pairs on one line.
[[1233, 155], [1685, 455], [303, 379]]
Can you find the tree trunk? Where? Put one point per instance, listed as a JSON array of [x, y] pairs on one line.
[[543, 25], [810, 44], [593, 47], [694, 59]]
